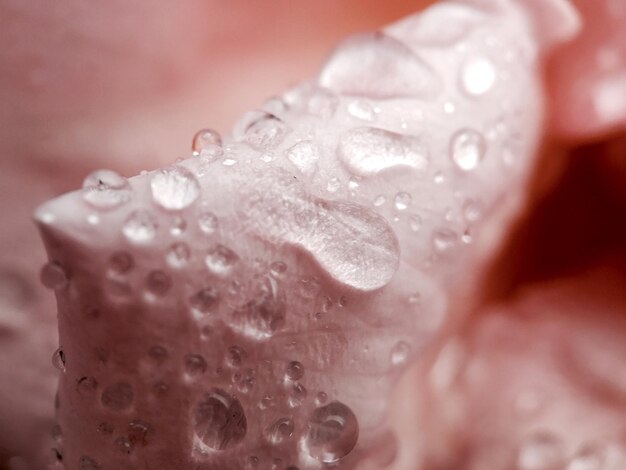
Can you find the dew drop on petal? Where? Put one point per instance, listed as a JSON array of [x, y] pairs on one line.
[[478, 75], [400, 353], [158, 283], [332, 433], [53, 275], [402, 201], [195, 365], [140, 226], [280, 431], [86, 385], [261, 130], [105, 189], [361, 109], [444, 240], [178, 255], [366, 151], [204, 301], [208, 222], [321, 398], [378, 66], [234, 356], [206, 139], [174, 188], [118, 396], [297, 395], [120, 263], [221, 260], [304, 155], [415, 223], [333, 185], [58, 359], [278, 269], [294, 371], [467, 149], [219, 421]]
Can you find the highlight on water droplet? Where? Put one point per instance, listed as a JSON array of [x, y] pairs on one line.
[[106, 189], [478, 76], [467, 148], [174, 188], [333, 431], [219, 421]]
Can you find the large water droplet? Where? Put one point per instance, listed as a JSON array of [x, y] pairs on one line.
[[333, 432], [378, 66], [467, 149], [478, 75], [58, 359], [105, 189], [140, 227], [53, 275], [365, 151], [174, 188], [304, 155], [541, 451], [219, 420], [221, 260], [118, 396], [280, 431]]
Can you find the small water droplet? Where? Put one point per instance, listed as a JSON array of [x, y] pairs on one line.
[[261, 130], [174, 188], [235, 356], [444, 240], [221, 260], [178, 255], [204, 301], [439, 178], [402, 201], [304, 155], [333, 185], [124, 445], [467, 149], [379, 200], [294, 371], [179, 225], [472, 210], [478, 76], [280, 431], [540, 451], [53, 275], [158, 283], [362, 110], [297, 395], [321, 398], [278, 269], [195, 365], [333, 431], [366, 151], [219, 420], [415, 223], [120, 263], [58, 359], [140, 227], [245, 381], [118, 396], [378, 66], [400, 353], [86, 385], [207, 140], [87, 463], [105, 189], [208, 222]]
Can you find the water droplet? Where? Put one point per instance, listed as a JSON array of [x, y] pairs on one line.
[[262, 316], [297, 395], [439, 178], [118, 396], [378, 66], [366, 151], [219, 420], [53, 275], [158, 354], [321, 398], [280, 431], [86, 385], [208, 222], [245, 382], [304, 155], [444, 240], [478, 76], [234, 356], [333, 185], [206, 139], [87, 463], [58, 359], [402, 201], [229, 162], [120, 263], [179, 225], [353, 184], [105, 189], [589, 457], [158, 283], [472, 210], [261, 130], [221, 260], [415, 223], [278, 269], [333, 432], [294, 371], [124, 445], [140, 227], [540, 451], [362, 110], [195, 364], [379, 200], [204, 301], [400, 353], [467, 149], [178, 255], [174, 188]]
